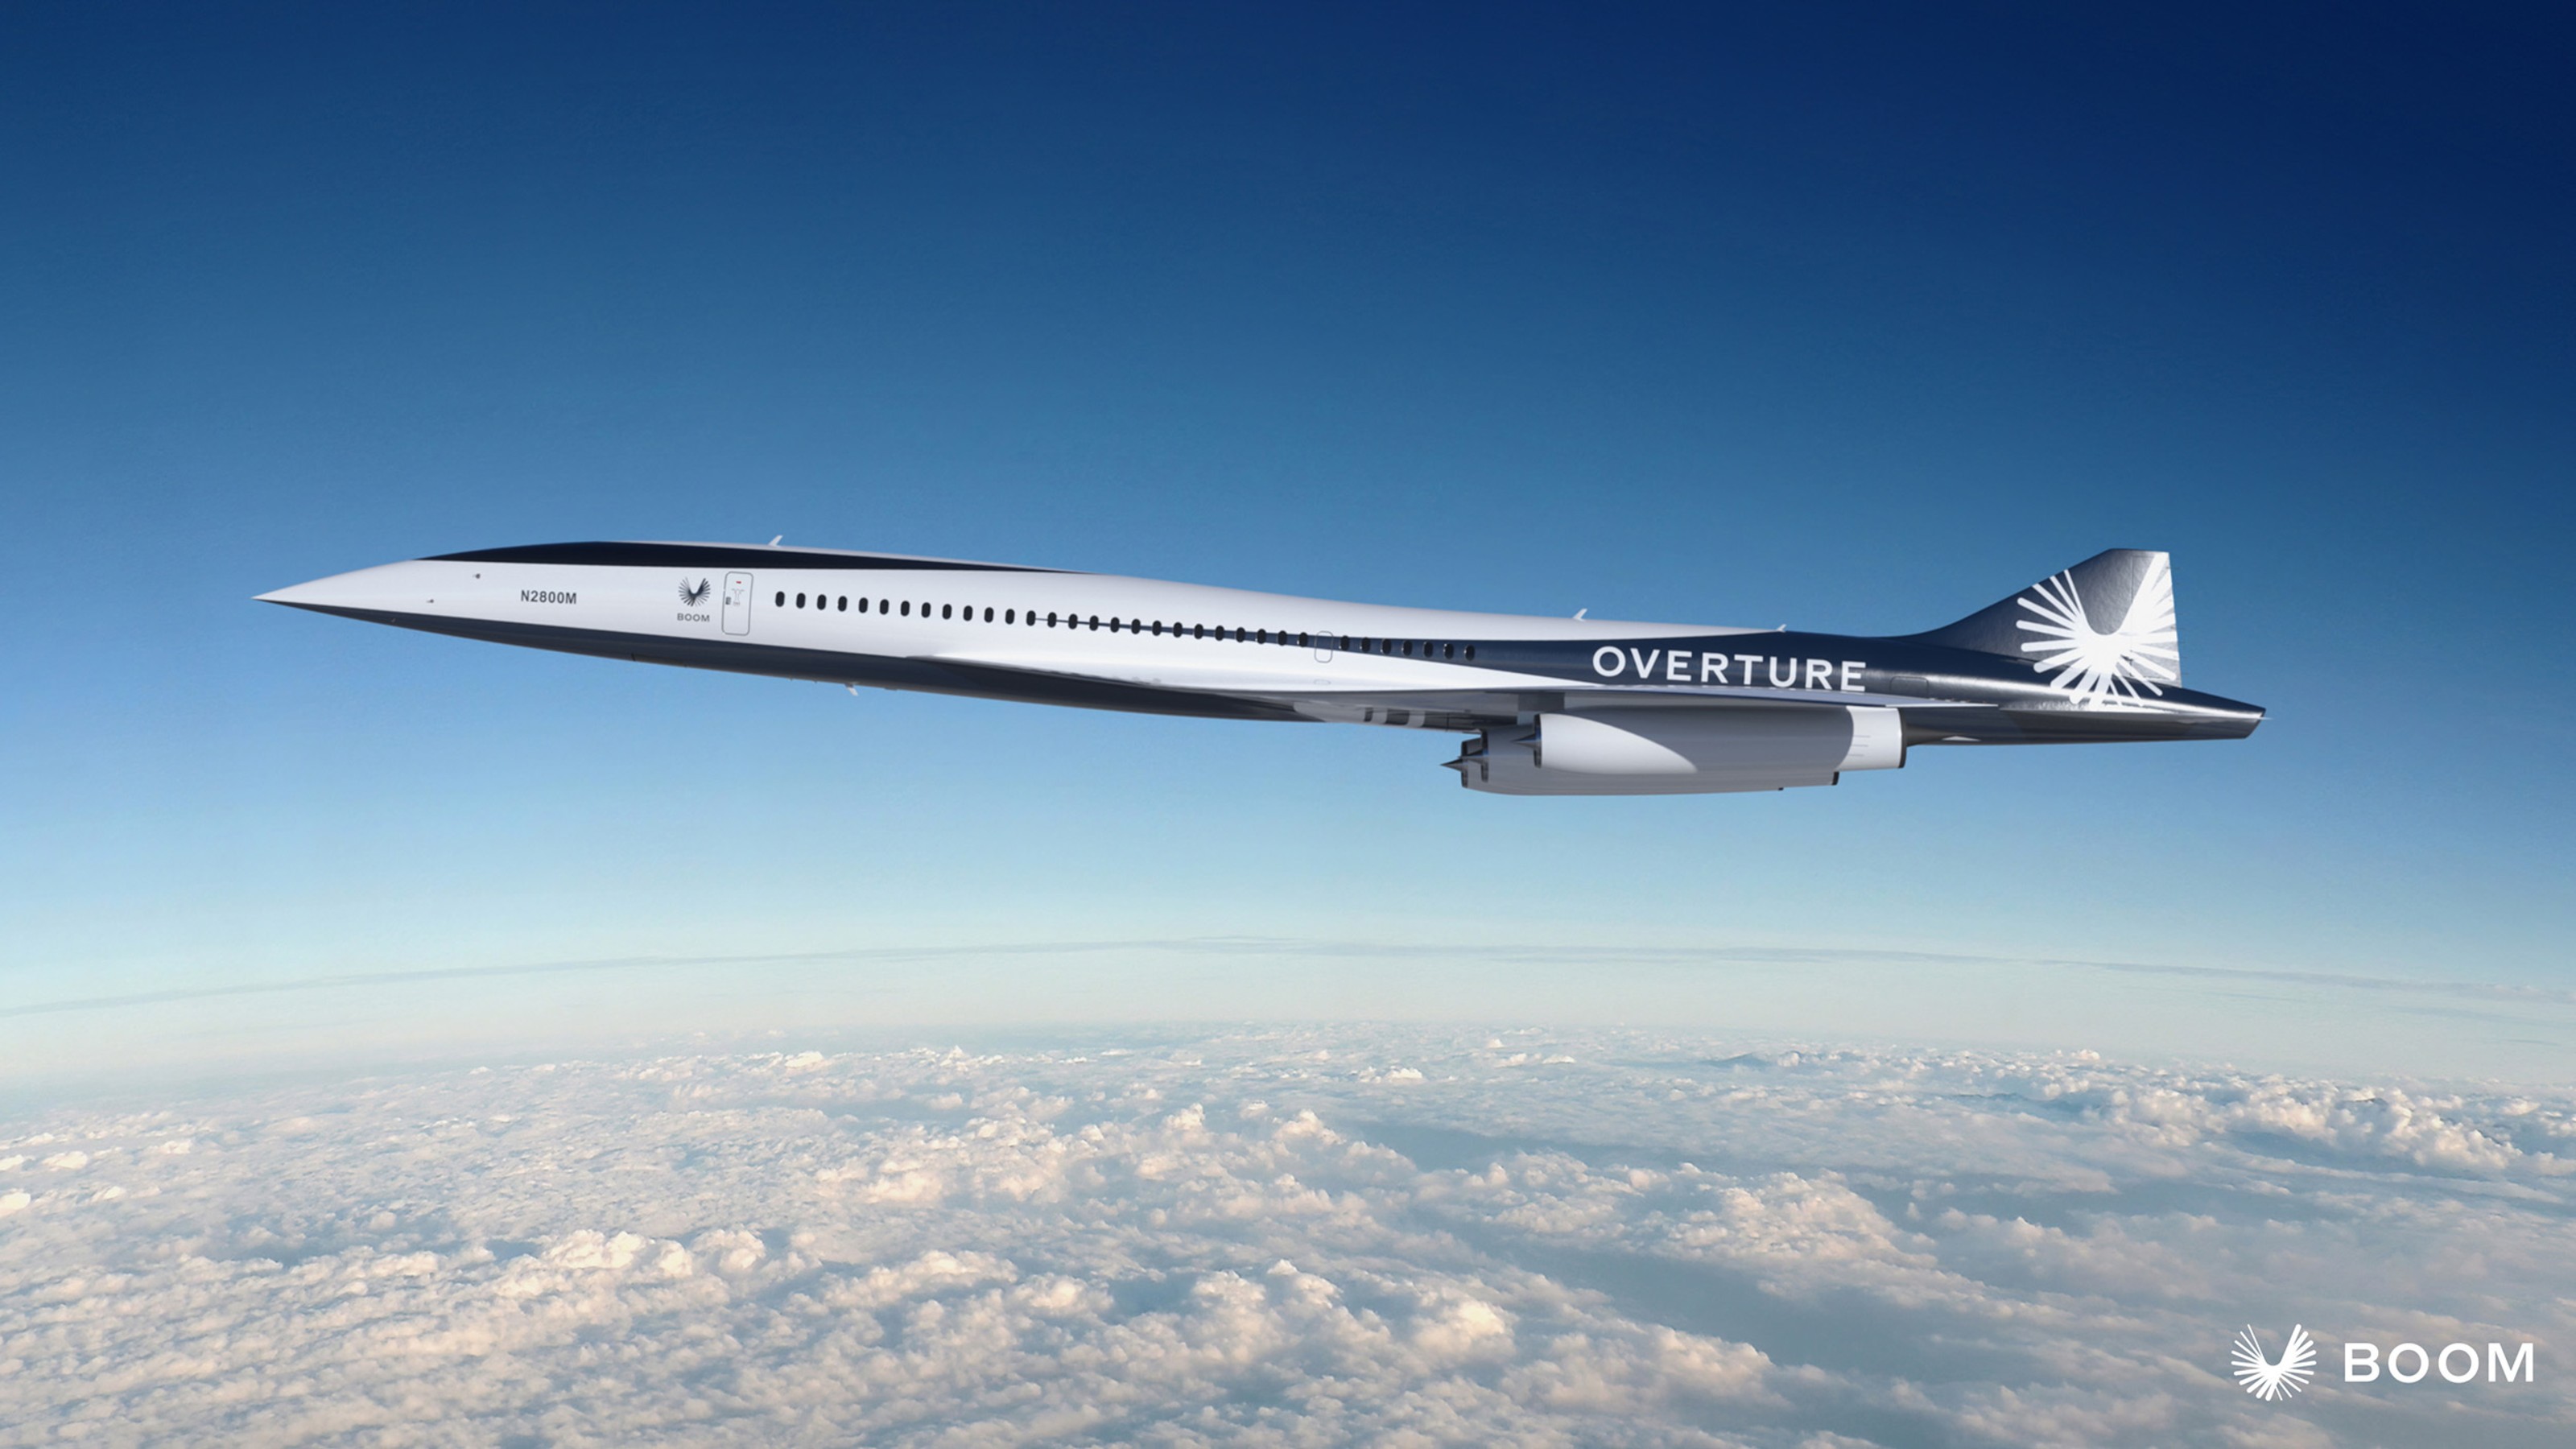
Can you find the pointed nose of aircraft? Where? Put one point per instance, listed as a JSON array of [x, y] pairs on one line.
[[395, 588], [320, 593]]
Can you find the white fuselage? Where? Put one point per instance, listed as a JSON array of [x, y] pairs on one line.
[[1114, 630]]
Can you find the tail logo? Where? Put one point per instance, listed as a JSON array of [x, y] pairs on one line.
[[2273, 1381], [694, 597], [2115, 668]]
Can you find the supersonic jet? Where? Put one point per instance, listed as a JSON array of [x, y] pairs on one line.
[[1549, 706]]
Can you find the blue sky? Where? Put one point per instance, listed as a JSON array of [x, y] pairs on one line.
[[1849, 318]]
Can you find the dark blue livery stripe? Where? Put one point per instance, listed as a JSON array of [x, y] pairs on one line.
[[714, 556]]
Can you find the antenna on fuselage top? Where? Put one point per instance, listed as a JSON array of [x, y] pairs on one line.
[[775, 542], [1586, 609]]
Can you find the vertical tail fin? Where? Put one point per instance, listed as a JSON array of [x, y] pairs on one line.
[[2102, 630]]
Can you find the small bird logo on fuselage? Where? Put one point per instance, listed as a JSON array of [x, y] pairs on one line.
[[698, 595]]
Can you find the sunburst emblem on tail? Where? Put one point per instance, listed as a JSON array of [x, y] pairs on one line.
[[698, 595], [2105, 668], [2271, 1381]]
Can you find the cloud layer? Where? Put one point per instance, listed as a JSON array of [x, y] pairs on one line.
[[1401, 1235]]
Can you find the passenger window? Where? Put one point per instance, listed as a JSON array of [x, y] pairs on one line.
[[1302, 641], [1471, 651], [907, 608], [988, 615], [1010, 616], [782, 598], [1448, 651], [944, 611], [800, 601], [841, 605], [1095, 622], [863, 603], [1050, 621], [882, 606]]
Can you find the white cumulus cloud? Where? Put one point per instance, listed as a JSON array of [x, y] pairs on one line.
[[1397, 1235]]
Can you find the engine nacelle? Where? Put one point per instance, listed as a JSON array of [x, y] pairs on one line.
[[1684, 750]]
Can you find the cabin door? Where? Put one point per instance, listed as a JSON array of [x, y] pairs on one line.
[[737, 604]]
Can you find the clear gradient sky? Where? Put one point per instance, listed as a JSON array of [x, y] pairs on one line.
[[1850, 318]]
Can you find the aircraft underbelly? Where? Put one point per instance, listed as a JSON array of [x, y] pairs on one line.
[[833, 666]]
